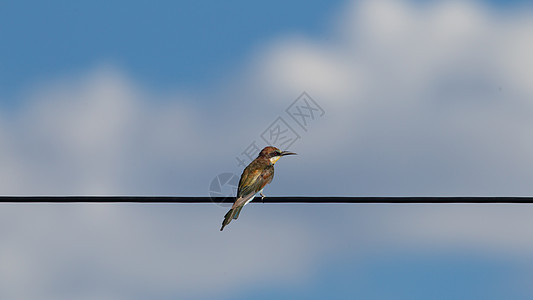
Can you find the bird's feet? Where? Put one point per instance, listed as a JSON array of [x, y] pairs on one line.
[[262, 197]]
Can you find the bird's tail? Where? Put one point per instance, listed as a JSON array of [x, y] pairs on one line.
[[237, 212], [227, 218], [232, 214]]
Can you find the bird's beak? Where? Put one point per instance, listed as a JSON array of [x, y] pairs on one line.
[[283, 153]]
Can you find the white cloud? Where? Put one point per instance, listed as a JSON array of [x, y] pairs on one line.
[[72, 251], [431, 94], [97, 134]]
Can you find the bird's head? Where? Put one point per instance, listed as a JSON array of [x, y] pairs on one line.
[[273, 153]]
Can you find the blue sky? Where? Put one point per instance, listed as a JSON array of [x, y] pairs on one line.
[[166, 44], [137, 98], [186, 44]]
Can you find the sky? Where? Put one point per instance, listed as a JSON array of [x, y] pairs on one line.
[[378, 98]]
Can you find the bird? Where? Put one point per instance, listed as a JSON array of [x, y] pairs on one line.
[[253, 180]]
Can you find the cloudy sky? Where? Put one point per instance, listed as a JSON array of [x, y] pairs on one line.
[[142, 98]]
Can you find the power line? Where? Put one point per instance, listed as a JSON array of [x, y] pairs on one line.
[[290, 199]]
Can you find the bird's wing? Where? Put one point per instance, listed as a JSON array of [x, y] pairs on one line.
[[251, 183]]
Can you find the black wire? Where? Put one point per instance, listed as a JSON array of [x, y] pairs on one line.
[[219, 200]]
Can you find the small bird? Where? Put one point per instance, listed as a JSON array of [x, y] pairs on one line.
[[253, 180]]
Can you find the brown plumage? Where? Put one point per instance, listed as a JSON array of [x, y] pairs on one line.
[[254, 178]]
